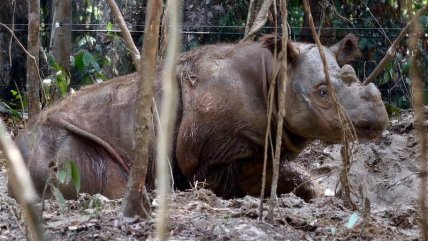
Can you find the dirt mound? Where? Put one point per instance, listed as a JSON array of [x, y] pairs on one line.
[[384, 171]]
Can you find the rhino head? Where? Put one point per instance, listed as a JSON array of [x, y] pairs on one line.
[[310, 109]]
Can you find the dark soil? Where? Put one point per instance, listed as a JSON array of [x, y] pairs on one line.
[[383, 178]]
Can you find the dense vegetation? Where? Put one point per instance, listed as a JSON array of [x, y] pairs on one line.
[[98, 52]]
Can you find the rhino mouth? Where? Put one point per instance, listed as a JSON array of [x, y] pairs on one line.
[[367, 132]]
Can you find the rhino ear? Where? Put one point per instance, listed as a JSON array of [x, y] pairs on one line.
[[268, 41], [346, 50]]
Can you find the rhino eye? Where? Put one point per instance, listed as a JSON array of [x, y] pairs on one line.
[[322, 91]]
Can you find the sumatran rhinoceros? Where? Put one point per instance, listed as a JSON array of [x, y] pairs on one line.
[[221, 125]]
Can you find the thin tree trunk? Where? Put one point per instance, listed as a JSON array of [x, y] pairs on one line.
[[33, 77], [61, 33], [167, 116], [164, 31], [135, 204], [22, 187], [418, 105]]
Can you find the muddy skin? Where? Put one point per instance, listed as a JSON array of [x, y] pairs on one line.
[[221, 121]]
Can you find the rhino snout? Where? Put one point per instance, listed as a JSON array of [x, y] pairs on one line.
[[372, 119], [371, 93]]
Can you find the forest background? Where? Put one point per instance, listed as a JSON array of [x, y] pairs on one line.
[[96, 51]]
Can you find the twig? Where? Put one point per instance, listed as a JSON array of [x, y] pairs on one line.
[[418, 104], [157, 117], [377, 22], [21, 46], [135, 54], [21, 184], [391, 52], [348, 130], [268, 136], [168, 116], [281, 109], [13, 29]]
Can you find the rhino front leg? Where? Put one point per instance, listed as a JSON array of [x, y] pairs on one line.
[[292, 178]]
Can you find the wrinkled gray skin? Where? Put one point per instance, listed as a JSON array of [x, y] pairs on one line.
[[221, 121]]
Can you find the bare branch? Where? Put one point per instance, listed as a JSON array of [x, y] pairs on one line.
[[390, 54], [168, 116], [22, 186], [260, 19], [135, 54], [251, 10]]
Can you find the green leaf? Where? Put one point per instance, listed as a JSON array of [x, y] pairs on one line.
[[62, 176], [89, 60], [75, 175], [59, 198], [78, 61], [64, 173], [392, 110], [109, 26], [63, 81], [352, 220]]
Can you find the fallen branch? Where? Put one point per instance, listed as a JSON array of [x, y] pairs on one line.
[[390, 54], [22, 185]]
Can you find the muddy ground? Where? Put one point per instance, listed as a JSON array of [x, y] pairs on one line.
[[386, 172]]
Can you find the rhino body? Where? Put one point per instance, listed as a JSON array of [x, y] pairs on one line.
[[221, 120]]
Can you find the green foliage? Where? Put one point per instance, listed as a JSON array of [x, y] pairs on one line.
[[14, 114], [69, 172], [235, 16], [87, 67], [57, 84], [392, 110], [62, 77], [59, 198], [93, 206]]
